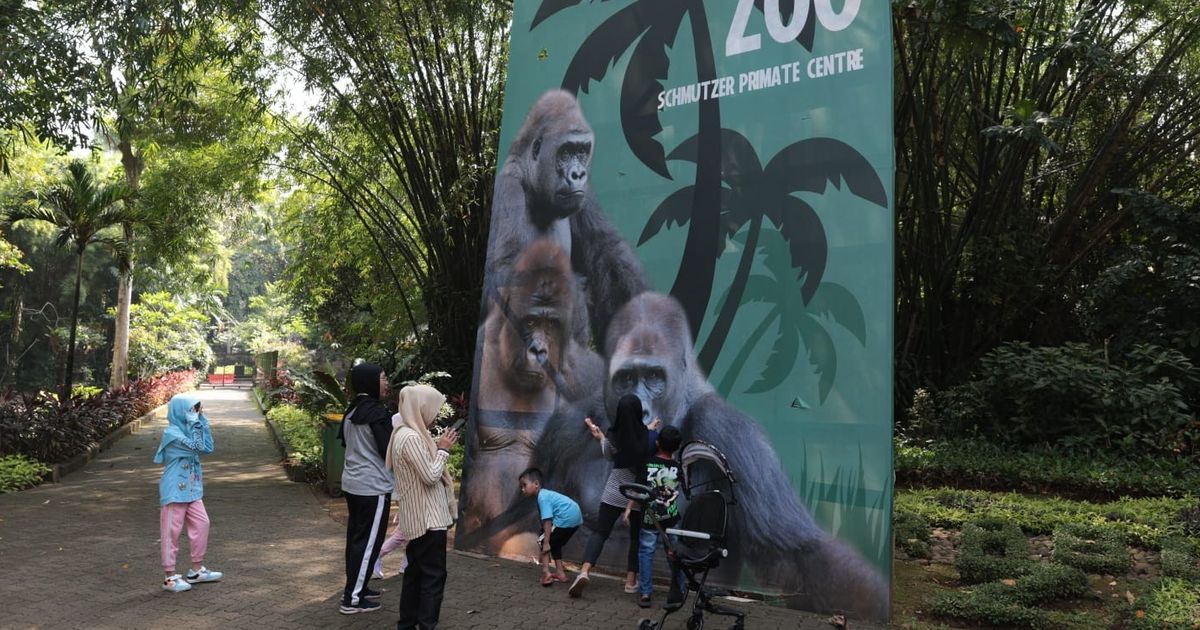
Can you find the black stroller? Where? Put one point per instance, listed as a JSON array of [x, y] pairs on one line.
[[699, 544]]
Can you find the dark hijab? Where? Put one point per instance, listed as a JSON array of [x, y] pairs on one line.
[[366, 406], [628, 434]]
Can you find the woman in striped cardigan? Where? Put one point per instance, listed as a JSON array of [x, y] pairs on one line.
[[427, 509]]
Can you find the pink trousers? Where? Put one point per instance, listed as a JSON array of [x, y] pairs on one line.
[[395, 541], [171, 519]]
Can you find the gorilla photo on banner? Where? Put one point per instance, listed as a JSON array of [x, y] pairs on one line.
[[561, 284]]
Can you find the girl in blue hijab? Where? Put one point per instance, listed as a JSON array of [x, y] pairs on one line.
[[181, 489]]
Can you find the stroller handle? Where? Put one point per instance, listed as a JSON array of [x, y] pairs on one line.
[[636, 492]]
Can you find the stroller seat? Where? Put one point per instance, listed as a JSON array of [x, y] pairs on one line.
[[701, 531]]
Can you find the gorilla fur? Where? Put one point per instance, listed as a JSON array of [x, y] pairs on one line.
[[772, 534], [544, 190], [530, 368]]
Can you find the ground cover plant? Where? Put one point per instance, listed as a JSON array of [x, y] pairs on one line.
[[991, 549], [301, 430], [18, 472], [1180, 559], [912, 533], [1014, 602], [1091, 548], [1143, 521], [1172, 603], [986, 465]]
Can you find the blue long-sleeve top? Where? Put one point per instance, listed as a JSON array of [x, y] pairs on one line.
[[183, 442]]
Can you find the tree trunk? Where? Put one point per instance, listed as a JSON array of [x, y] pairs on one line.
[[132, 163], [120, 360], [70, 372]]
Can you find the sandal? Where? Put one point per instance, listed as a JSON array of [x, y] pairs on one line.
[[559, 577], [547, 579]]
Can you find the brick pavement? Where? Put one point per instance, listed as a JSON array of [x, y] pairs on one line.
[[84, 553]]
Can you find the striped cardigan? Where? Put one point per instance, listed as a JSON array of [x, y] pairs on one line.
[[425, 502]]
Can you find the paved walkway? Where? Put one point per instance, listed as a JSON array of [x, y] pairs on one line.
[[84, 553]]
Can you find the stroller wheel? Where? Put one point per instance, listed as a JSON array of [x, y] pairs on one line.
[[695, 622], [645, 624]]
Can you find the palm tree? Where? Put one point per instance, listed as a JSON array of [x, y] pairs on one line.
[[799, 321], [82, 209], [756, 193], [652, 25]]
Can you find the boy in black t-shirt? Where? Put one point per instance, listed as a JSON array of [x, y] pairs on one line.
[[662, 476]]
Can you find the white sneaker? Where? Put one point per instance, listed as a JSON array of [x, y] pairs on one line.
[[176, 584], [204, 575], [378, 572]]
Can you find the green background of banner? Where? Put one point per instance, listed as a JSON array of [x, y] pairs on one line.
[[838, 452]]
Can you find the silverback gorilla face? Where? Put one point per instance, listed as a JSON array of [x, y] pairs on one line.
[[558, 159], [648, 348]]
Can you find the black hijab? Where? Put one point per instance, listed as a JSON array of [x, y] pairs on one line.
[[367, 407], [628, 434]]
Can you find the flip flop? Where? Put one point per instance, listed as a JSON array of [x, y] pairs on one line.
[[547, 579]]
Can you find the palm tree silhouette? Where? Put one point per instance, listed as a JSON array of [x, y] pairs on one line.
[[652, 25], [756, 193], [798, 319], [83, 210]]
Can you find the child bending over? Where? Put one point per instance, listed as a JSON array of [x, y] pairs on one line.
[[560, 518]]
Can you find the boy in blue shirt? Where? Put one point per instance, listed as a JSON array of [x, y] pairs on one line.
[[560, 518]]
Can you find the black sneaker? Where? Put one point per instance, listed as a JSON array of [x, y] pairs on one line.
[[371, 594], [363, 605], [644, 601]]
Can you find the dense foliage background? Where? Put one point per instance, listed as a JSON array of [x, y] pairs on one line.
[[318, 180]]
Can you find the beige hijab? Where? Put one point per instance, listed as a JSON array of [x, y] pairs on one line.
[[419, 406]]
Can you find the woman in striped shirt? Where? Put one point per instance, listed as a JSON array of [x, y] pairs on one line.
[[425, 493]]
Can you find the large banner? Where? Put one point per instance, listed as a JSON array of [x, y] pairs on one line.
[[694, 205]]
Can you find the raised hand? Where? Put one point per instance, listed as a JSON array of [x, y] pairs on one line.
[[596, 433], [447, 439]]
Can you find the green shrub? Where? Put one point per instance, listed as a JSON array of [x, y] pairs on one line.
[[302, 431], [971, 607], [1091, 548], [1074, 396], [1011, 603], [991, 549], [86, 391], [18, 472], [455, 463], [1172, 603], [1143, 522], [912, 534], [1189, 519], [984, 464], [1179, 559]]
